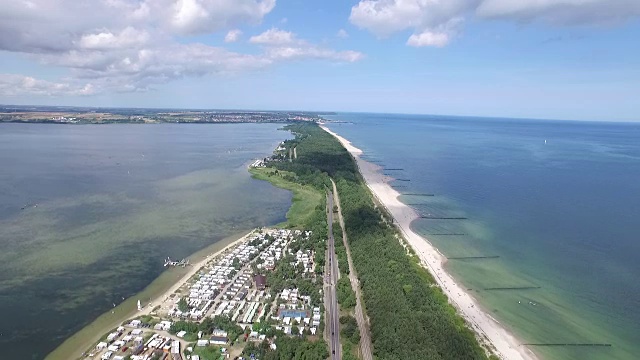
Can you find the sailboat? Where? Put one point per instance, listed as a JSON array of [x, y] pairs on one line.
[[139, 306]]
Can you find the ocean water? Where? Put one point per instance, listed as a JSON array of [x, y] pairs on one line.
[[112, 202], [554, 205]]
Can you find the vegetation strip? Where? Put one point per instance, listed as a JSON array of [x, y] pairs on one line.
[[410, 317]]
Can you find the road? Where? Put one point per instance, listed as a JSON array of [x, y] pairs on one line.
[[363, 325], [332, 314]]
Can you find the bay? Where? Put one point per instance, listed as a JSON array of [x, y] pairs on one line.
[[88, 213]]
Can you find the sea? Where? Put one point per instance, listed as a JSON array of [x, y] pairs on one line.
[[89, 213], [548, 231]]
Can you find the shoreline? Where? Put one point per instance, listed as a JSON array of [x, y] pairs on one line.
[[503, 343], [153, 294]]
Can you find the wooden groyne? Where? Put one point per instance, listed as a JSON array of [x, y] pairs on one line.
[[448, 234], [418, 194], [514, 288], [393, 169], [569, 344], [443, 217], [401, 179], [473, 257]]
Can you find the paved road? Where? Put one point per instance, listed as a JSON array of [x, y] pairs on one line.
[[331, 281], [363, 325]]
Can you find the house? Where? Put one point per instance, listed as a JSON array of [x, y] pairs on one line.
[[261, 281], [135, 323], [202, 343], [218, 337]]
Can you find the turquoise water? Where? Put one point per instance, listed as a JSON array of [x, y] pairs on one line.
[[561, 216], [112, 202]]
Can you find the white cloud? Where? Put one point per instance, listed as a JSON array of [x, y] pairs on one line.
[[133, 45], [202, 16], [431, 20], [438, 36], [13, 84], [106, 40], [342, 34], [313, 52], [232, 36], [274, 36], [562, 12], [285, 45]]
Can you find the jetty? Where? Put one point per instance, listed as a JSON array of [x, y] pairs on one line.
[[448, 234], [570, 344], [515, 288]]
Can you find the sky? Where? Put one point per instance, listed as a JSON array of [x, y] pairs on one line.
[[547, 59]]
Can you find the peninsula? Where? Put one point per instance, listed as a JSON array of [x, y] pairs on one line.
[[343, 278]]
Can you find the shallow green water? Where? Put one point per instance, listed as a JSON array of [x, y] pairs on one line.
[[112, 202]]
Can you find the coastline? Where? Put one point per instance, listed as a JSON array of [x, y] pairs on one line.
[[152, 295], [503, 343]]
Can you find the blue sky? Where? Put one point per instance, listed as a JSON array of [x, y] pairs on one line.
[[562, 59]]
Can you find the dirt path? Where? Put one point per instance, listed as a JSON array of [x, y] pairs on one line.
[[363, 323]]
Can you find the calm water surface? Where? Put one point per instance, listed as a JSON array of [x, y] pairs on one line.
[[112, 202], [562, 216]]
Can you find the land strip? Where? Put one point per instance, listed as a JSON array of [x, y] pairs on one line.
[[363, 322], [331, 281]]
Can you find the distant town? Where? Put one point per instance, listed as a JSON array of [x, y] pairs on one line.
[[83, 115]]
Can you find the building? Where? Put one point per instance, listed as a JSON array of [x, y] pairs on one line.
[[218, 340], [261, 281]]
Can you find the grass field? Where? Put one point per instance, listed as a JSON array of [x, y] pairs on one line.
[[305, 198]]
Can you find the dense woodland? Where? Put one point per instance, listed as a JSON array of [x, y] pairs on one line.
[[410, 318]]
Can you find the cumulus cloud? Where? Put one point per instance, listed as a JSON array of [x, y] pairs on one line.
[[133, 45], [431, 20], [13, 84], [342, 34], [106, 40], [437, 36], [280, 45], [232, 36], [274, 36], [202, 16], [562, 12], [435, 22]]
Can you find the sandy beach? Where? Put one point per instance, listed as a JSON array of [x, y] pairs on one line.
[[505, 345]]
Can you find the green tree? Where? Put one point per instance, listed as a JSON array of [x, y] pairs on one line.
[[183, 305]]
